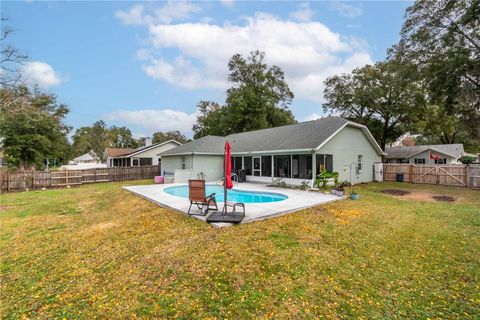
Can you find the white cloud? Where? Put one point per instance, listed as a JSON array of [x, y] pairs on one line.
[[346, 10], [313, 116], [304, 13], [41, 74], [194, 55], [308, 52], [171, 11], [134, 16], [228, 3], [156, 120]]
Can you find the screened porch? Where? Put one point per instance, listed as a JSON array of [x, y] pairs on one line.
[[285, 166]]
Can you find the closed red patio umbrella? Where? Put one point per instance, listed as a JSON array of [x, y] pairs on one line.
[[227, 165], [224, 216]]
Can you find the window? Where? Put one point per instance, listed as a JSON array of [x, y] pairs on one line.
[[247, 162], [266, 166], [441, 161], [135, 162], [236, 163], [302, 166], [360, 163], [145, 161], [282, 166], [419, 160], [182, 161]]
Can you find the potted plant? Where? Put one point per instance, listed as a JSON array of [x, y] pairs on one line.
[[354, 195], [322, 180], [335, 182], [339, 191]]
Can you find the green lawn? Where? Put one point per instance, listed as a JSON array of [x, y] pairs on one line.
[[99, 251]]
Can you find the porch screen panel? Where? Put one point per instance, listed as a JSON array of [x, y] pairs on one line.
[[302, 166], [247, 161], [266, 166], [145, 161], [236, 163], [282, 166], [324, 162]]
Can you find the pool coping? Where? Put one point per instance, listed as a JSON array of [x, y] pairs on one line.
[[297, 200]]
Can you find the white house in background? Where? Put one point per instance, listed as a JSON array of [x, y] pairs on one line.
[[427, 154], [88, 157], [295, 153], [83, 162], [143, 156]]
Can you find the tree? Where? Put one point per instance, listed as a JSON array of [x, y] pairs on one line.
[[95, 138], [35, 134], [259, 98], [121, 137], [11, 59], [209, 122], [381, 97], [440, 38], [169, 135]]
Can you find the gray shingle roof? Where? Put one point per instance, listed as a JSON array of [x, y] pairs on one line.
[[207, 144], [304, 135], [454, 150]]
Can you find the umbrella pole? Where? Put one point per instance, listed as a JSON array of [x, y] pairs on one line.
[[224, 210]]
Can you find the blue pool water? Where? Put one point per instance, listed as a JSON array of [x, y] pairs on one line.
[[233, 195]]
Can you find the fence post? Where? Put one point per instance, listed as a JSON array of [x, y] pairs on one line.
[[467, 175], [66, 177], [33, 180], [8, 181], [410, 173]]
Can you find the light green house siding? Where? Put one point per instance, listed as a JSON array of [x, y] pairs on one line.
[[211, 166], [345, 147]]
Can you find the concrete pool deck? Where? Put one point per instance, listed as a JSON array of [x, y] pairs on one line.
[[297, 200]]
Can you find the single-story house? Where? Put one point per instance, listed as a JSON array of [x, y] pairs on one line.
[[88, 157], [143, 156], [85, 161], [427, 154], [294, 153]]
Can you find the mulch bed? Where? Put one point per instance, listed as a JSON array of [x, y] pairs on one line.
[[443, 198], [395, 192]]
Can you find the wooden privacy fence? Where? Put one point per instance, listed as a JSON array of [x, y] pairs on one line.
[[450, 175], [57, 179]]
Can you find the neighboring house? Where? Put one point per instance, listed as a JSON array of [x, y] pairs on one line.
[[86, 161], [88, 157], [294, 153], [427, 154], [143, 156]]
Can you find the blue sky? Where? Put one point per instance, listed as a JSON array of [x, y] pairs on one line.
[[147, 64]]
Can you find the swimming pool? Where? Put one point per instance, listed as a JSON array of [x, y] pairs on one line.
[[233, 195]]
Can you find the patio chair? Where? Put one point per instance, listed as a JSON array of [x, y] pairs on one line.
[[196, 195]]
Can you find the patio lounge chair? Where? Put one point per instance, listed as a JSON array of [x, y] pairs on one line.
[[196, 195]]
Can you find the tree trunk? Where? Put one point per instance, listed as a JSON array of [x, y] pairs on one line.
[[21, 165]]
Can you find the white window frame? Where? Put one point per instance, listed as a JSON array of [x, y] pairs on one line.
[[360, 163], [444, 161], [183, 162]]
